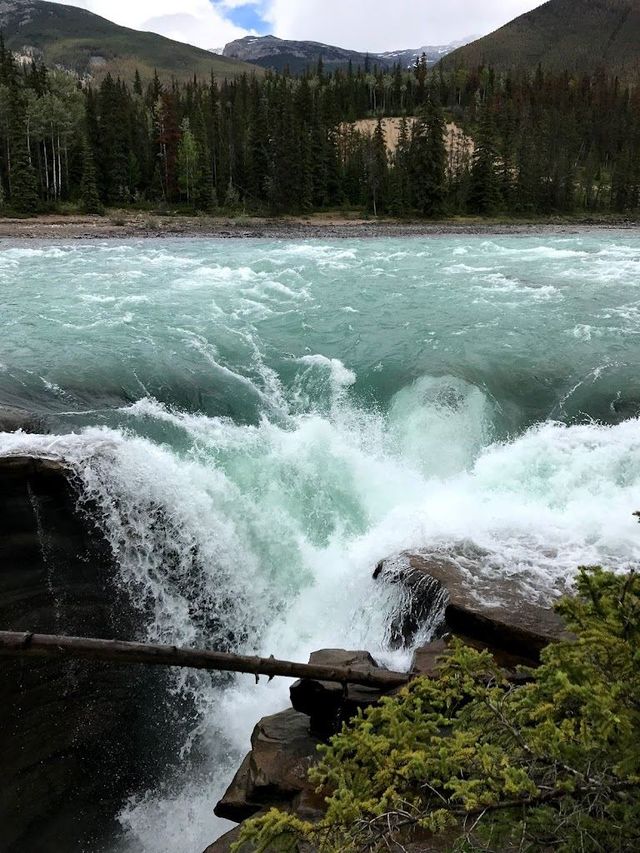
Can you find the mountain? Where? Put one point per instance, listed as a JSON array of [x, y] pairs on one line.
[[572, 35], [79, 41], [278, 54], [434, 53]]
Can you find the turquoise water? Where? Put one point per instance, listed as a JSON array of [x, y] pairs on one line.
[[261, 422]]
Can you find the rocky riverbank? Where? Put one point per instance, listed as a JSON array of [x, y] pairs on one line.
[[127, 225], [284, 746]]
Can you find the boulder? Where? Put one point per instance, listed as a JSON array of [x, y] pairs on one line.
[[427, 659], [13, 419], [275, 772], [443, 598], [329, 704], [223, 844], [422, 602], [75, 737]]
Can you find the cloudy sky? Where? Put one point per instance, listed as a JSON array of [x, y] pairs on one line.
[[374, 25]]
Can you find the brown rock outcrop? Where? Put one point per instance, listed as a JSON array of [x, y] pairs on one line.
[[498, 616], [275, 772], [329, 704]]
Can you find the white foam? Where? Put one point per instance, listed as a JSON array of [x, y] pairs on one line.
[[288, 522], [340, 374], [269, 532]]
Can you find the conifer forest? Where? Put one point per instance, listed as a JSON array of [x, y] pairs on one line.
[[525, 143]]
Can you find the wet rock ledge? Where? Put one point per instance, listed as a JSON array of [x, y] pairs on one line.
[[435, 594]]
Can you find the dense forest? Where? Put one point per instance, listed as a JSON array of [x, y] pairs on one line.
[[543, 142]]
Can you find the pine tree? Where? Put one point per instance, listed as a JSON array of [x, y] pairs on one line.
[[89, 197], [204, 190], [137, 84], [377, 168], [429, 160], [400, 178], [484, 189], [24, 184]]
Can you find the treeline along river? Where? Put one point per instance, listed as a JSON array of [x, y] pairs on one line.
[[260, 422]]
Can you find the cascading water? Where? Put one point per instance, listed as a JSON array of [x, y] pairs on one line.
[[260, 423]]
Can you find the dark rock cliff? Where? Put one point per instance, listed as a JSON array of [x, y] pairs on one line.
[[74, 737]]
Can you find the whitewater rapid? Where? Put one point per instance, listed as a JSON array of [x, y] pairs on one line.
[[258, 427]]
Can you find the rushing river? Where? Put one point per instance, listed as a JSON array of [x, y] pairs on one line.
[[261, 422]]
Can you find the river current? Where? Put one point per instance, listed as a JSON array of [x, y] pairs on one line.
[[261, 422]]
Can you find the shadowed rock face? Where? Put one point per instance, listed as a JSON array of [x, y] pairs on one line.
[[72, 735]]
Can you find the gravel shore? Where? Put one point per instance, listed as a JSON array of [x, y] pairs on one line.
[[144, 225]]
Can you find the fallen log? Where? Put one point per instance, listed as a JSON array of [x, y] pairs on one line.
[[25, 645]]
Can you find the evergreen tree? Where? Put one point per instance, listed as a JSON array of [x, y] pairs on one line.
[[89, 197], [377, 169], [429, 160], [484, 188], [137, 84], [543, 143], [469, 760], [24, 184], [400, 178]]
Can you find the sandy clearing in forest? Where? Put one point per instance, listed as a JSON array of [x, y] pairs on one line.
[[455, 136]]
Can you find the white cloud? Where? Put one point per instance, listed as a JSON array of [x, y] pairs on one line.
[[378, 25], [193, 21], [373, 25]]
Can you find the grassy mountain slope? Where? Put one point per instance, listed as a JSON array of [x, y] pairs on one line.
[[88, 44], [573, 35]]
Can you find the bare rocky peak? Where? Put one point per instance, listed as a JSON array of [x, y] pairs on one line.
[[266, 50], [259, 47]]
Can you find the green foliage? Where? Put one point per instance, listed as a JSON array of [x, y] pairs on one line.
[[89, 197], [188, 161], [428, 160], [553, 763], [24, 188], [484, 192], [377, 168], [544, 143]]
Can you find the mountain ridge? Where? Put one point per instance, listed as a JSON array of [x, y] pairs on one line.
[[277, 54], [562, 35], [91, 46]]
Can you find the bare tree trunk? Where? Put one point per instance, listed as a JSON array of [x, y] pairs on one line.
[[59, 169], [46, 166], [9, 176], [21, 645]]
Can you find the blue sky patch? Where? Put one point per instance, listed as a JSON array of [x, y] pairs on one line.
[[248, 17]]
